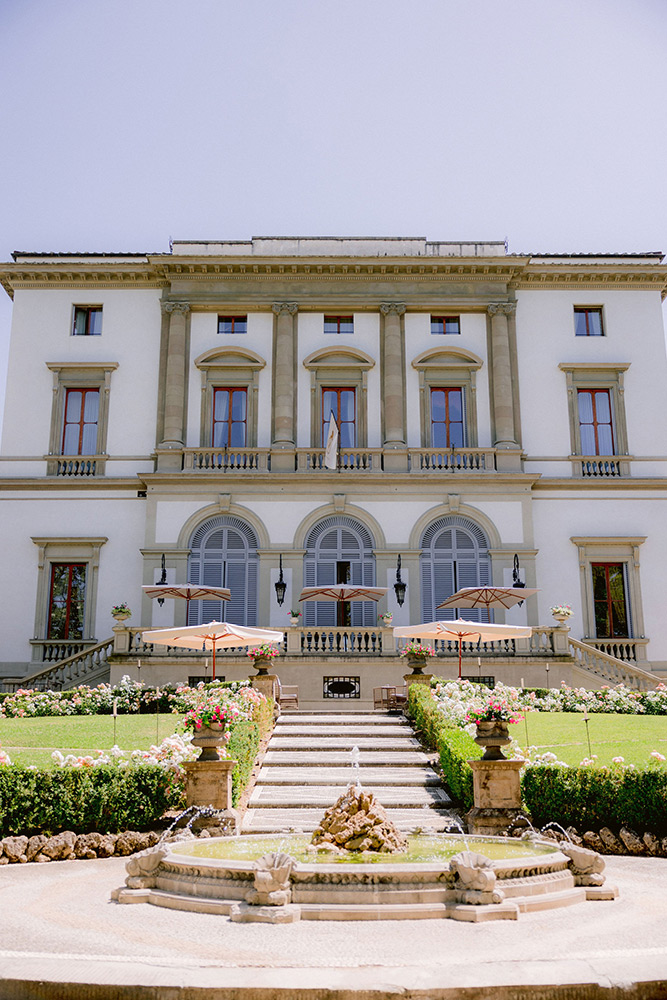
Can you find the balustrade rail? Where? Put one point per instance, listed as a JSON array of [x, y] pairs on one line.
[[451, 460], [76, 465], [593, 466], [349, 460], [621, 649], [77, 669], [54, 650], [227, 459], [342, 641], [611, 669]]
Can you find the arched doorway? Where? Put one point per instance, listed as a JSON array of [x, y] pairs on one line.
[[223, 553], [339, 550], [455, 554]]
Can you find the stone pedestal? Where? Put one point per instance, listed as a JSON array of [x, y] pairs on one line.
[[265, 684], [209, 783], [496, 795], [417, 678]]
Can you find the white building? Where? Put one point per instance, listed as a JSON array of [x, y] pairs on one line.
[[490, 405]]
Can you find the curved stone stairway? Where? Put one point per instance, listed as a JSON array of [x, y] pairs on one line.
[[308, 765]]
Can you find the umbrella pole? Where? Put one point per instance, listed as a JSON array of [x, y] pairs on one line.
[[214, 659], [460, 644]]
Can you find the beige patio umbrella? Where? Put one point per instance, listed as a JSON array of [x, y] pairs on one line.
[[487, 597], [342, 592], [213, 635], [188, 592], [460, 629]]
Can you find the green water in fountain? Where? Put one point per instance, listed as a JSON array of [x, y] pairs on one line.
[[424, 848]]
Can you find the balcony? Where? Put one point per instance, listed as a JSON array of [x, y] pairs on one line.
[[350, 460]]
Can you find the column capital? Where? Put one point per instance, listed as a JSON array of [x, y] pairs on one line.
[[285, 307], [175, 307], [397, 308], [502, 308]]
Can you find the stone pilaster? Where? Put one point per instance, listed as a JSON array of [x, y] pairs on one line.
[[503, 395], [393, 388], [284, 388], [175, 386]]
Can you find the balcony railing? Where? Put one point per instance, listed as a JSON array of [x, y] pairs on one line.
[[349, 460], [622, 649], [452, 459], [75, 466], [602, 467], [227, 459]]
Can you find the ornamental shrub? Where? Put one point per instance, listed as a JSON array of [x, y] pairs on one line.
[[455, 747], [589, 798], [104, 799]]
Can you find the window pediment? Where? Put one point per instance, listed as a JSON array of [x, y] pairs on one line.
[[339, 357], [229, 358], [450, 358]]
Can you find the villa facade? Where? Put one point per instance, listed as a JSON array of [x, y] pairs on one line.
[[489, 406]]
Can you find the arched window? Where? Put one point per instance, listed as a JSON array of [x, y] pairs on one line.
[[455, 554], [339, 550], [224, 554]]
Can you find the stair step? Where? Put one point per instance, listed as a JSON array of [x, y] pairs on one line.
[[282, 820], [296, 797], [321, 758], [335, 719], [315, 731], [409, 776]]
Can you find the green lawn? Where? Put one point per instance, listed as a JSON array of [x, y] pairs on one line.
[[564, 733], [31, 741]]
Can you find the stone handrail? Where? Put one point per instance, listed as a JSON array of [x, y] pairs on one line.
[[600, 467], [226, 459], [452, 459], [349, 460], [621, 649], [335, 641], [609, 668], [67, 673]]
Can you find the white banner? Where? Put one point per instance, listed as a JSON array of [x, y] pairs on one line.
[[331, 453]]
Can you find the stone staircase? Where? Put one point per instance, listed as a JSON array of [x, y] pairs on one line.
[[308, 765]]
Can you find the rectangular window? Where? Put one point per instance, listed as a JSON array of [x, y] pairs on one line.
[[595, 423], [588, 322], [67, 601], [447, 418], [82, 407], [87, 321], [341, 687], [342, 403], [230, 418], [609, 600], [232, 324], [339, 324], [445, 324]]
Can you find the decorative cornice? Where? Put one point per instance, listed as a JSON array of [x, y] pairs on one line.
[[501, 308], [280, 308], [392, 308], [175, 307]]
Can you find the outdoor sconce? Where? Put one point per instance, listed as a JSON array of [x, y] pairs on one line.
[[280, 585], [516, 580], [399, 586]]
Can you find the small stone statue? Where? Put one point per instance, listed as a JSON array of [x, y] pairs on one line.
[[142, 867], [586, 866], [475, 878], [272, 881]]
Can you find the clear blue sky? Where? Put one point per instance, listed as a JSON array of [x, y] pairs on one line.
[[127, 122]]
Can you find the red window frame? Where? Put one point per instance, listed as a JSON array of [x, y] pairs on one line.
[[230, 421], [71, 567], [587, 312], [89, 312], [241, 321], [595, 423], [608, 607], [443, 322], [349, 426], [337, 321], [81, 421], [448, 422]]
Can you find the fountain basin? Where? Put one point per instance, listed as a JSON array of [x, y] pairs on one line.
[[217, 874]]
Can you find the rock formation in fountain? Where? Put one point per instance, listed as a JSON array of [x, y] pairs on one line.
[[358, 822]]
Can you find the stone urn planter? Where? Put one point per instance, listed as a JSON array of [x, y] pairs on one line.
[[417, 663], [493, 736], [209, 738], [561, 619], [262, 665], [121, 616], [294, 620]]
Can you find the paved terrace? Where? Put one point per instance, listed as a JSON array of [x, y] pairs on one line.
[[62, 939]]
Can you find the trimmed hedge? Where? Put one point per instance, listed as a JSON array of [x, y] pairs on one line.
[[103, 799], [591, 798], [455, 747]]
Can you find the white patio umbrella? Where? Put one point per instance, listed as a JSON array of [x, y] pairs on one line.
[[342, 592], [487, 597], [460, 629], [188, 592], [213, 635]]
